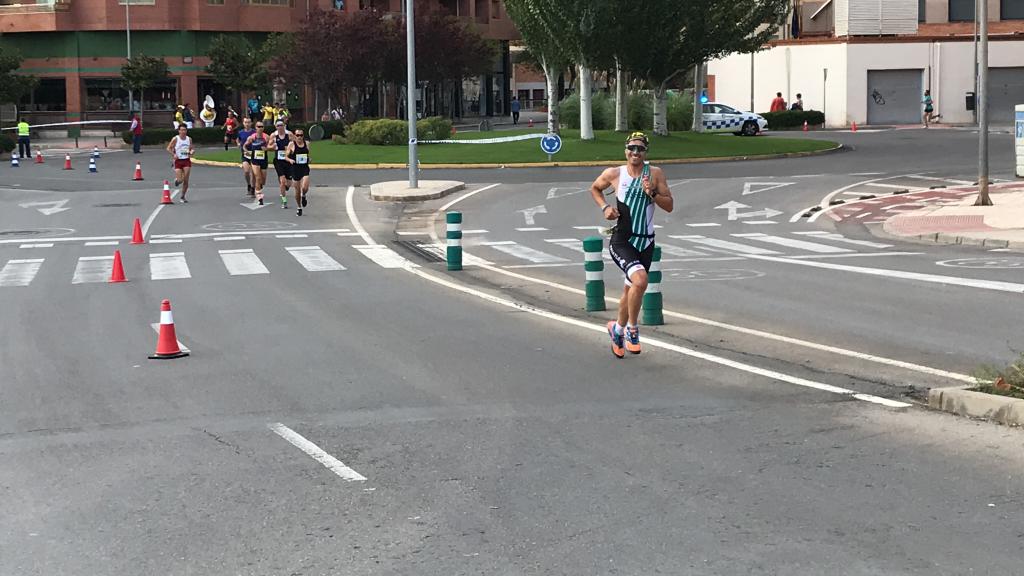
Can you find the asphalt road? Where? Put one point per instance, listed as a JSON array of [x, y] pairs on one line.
[[350, 407]]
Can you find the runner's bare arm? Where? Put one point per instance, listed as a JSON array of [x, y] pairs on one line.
[[170, 146], [663, 194], [603, 182], [288, 153]]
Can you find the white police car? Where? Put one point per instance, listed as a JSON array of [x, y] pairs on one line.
[[722, 118]]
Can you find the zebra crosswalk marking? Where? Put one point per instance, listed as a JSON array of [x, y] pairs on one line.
[[840, 238], [314, 259], [793, 243], [20, 272], [93, 269], [242, 262], [168, 266], [726, 245], [524, 252]]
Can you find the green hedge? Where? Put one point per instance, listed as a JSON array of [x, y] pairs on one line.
[[793, 119], [640, 113], [151, 136], [7, 142], [391, 132]]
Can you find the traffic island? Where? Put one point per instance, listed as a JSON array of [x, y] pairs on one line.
[[964, 402], [399, 190]]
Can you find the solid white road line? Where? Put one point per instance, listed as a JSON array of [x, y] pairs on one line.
[[314, 259], [19, 272], [756, 222], [937, 179], [792, 243], [168, 266], [903, 275], [896, 186], [600, 328], [156, 328], [678, 251], [37, 245], [226, 238], [103, 243], [465, 232], [250, 233], [93, 269], [840, 238], [853, 255], [703, 224], [532, 229], [291, 236], [382, 255], [242, 262], [411, 233], [164, 241], [329, 462], [70, 239], [152, 216], [725, 245]]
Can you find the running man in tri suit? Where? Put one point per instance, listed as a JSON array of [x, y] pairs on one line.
[[230, 129], [638, 187], [243, 137], [279, 142], [298, 156], [257, 143], [181, 149]]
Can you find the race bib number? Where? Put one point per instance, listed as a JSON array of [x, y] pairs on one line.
[[282, 154], [259, 154], [183, 154], [302, 159]]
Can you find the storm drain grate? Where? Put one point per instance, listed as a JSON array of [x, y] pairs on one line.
[[419, 249], [117, 205]]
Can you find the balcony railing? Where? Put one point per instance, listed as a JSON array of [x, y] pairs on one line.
[[36, 7]]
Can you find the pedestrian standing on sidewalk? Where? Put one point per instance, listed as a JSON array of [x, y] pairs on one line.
[[929, 109], [136, 134], [24, 141], [515, 110], [639, 187]]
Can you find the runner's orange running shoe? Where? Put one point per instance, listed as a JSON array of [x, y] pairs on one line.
[[616, 341], [633, 339]]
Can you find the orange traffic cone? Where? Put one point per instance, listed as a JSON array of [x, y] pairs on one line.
[[167, 193], [167, 343], [117, 274], [805, 125], [39, 156], [138, 172], [67, 161], [137, 233], [531, 122], [853, 128]]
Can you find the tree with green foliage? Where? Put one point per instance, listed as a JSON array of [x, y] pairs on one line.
[[141, 72], [13, 85], [527, 16], [673, 36], [237, 64]]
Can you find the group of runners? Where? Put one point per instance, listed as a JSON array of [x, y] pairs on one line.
[[287, 150]]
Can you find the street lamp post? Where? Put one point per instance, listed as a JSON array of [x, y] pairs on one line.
[[128, 38], [410, 39], [982, 105]]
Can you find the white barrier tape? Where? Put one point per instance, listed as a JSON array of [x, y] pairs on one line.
[[83, 122], [486, 140], [593, 276]]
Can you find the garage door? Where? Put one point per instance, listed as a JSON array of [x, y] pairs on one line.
[[1006, 90], [894, 96]]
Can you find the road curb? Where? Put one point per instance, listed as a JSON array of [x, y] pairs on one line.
[[582, 164], [399, 192], [953, 239], [958, 400]]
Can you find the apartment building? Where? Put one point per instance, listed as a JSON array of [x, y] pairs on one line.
[[76, 49], [869, 61]]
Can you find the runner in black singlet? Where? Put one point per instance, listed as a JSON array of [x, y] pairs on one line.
[[298, 157]]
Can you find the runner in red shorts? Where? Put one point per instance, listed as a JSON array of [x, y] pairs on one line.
[[181, 149]]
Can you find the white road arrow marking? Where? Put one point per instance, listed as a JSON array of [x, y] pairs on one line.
[[52, 207], [560, 192], [755, 187], [529, 213], [253, 205], [733, 207]]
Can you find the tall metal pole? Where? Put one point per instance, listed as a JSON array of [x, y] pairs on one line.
[[975, 111], [983, 198], [128, 36], [410, 40]]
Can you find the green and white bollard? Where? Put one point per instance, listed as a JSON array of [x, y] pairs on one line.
[[593, 246], [454, 236], [651, 305]]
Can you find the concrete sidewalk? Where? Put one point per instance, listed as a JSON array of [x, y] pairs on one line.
[[959, 222]]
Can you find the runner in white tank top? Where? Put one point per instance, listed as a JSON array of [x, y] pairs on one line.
[[181, 150], [639, 187]]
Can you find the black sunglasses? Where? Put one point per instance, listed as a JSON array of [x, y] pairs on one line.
[[636, 148]]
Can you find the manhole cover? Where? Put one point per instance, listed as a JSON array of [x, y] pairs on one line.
[[247, 226], [117, 205], [1000, 263], [38, 232]]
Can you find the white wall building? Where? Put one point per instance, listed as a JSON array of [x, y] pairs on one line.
[[880, 79]]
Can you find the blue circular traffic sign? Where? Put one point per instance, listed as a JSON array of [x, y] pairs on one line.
[[551, 143]]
